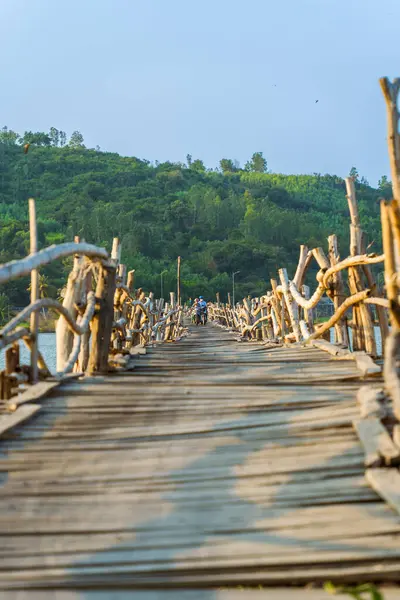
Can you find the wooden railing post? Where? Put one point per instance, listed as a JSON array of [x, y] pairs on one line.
[[131, 280], [390, 216], [338, 291], [275, 301], [122, 274], [103, 320], [34, 324], [64, 337], [116, 251], [363, 333], [178, 282], [290, 304], [308, 312], [84, 354]]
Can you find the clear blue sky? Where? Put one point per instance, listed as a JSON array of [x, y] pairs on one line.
[[162, 78]]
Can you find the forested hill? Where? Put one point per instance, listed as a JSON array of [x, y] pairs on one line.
[[219, 221]]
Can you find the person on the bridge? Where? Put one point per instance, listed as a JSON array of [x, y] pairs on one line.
[[202, 303], [194, 309], [202, 307]]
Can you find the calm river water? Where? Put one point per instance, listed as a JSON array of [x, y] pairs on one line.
[[47, 346]]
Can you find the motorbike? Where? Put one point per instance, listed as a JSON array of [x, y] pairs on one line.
[[201, 317]]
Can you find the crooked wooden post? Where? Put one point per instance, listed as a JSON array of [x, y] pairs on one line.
[[302, 266], [392, 351], [64, 336], [84, 354], [276, 304], [290, 304]]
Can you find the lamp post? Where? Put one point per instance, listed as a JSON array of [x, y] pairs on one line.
[[161, 275], [233, 287]]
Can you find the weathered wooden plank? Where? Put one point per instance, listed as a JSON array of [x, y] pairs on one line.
[[213, 460], [370, 402], [386, 483], [8, 421], [39, 390], [378, 446]]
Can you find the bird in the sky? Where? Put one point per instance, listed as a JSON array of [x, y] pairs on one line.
[[26, 148], [316, 101]]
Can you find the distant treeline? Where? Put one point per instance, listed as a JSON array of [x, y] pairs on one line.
[[222, 220]]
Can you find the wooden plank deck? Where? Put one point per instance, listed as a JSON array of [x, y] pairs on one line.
[[213, 464]]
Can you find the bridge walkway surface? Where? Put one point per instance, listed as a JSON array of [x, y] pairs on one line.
[[212, 464]]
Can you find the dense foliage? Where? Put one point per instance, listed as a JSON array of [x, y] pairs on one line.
[[219, 221]]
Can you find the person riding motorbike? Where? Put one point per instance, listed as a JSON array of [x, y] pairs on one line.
[[202, 308]]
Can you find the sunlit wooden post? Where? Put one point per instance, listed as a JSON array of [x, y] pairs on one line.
[[64, 337], [34, 321], [363, 332], [338, 290], [116, 251], [122, 274], [290, 304], [390, 216], [131, 280], [103, 320]]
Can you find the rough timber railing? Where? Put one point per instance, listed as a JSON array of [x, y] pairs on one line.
[[102, 319], [285, 313]]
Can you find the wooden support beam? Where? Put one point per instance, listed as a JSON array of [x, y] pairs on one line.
[[341, 336], [178, 282], [102, 321], [34, 320], [290, 304]]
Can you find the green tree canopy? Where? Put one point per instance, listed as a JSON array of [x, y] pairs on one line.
[[76, 140], [257, 163]]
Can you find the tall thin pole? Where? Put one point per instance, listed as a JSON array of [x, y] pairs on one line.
[[178, 281], [233, 287], [162, 282], [34, 324]]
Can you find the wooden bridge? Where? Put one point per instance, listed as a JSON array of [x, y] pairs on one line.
[[164, 455]]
